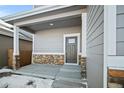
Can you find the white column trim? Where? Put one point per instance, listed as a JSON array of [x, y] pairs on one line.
[[16, 41], [84, 22], [111, 22], [109, 38], [33, 43], [32, 48]]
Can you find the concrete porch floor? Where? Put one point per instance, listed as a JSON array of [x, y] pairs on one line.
[[64, 76]]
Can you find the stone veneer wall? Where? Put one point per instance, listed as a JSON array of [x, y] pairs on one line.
[[48, 59], [54, 59]]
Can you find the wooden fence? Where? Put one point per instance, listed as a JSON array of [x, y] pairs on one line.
[[24, 57]]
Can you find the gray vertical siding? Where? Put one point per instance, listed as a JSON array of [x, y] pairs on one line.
[[120, 30], [95, 36]]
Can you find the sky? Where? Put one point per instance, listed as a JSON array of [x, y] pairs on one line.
[[12, 9]]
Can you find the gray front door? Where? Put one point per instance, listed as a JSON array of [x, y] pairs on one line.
[[71, 49]]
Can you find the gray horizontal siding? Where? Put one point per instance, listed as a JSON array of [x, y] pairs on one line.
[[95, 74], [94, 26], [96, 42], [97, 50], [97, 33], [120, 48], [95, 36], [120, 30], [97, 17], [52, 40]]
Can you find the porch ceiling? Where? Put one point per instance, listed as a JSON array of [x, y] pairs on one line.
[[58, 23]]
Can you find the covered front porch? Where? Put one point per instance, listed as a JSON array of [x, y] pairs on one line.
[[57, 37]]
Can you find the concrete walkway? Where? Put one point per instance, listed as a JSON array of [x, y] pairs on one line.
[[66, 76], [48, 71]]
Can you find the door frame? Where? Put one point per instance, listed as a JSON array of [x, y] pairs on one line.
[[78, 47]]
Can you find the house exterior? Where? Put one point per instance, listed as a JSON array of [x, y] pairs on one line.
[[69, 34]]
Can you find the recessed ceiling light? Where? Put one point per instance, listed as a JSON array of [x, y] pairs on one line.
[[51, 24]]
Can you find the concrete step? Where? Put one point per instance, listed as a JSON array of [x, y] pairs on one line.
[[67, 84]]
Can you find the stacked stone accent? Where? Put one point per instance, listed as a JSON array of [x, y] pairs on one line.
[[49, 59], [82, 59], [82, 62], [15, 63]]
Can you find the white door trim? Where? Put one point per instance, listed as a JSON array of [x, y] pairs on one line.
[[78, 47]]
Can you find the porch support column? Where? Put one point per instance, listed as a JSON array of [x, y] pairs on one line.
[[33, 44], [15, 47], [84, 18]]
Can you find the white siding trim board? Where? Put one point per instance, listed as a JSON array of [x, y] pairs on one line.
[[112, 31], [50, 53], [40, 53], [109, 38], [116, 68]]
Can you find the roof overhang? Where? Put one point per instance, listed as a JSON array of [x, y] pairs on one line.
[[46, 14], [35, 11]]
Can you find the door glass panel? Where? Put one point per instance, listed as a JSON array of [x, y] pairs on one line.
[[71, 40]]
